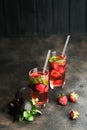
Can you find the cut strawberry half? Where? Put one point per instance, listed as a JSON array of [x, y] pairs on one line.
[[55, 65], [57, 82], [46, 89], [62, 57], [35, 75], [61, 69], [40, 88], [55, 74]]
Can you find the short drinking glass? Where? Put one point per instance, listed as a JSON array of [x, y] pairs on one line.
[[39, 85]]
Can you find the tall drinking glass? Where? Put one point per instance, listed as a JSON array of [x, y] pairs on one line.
[[57, 70], [39, 85]]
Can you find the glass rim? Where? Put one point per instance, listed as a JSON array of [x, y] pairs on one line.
[[40, 69]]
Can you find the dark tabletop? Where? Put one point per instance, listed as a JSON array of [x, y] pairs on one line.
[[18, 55]]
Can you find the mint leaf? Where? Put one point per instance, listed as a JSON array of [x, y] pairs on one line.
[[36, 111], [26, 113], [21, 118], [33, 102], [29, 111], [61, 61], [53, 58], [30, 118]]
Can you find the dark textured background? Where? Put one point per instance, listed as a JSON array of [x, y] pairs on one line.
[[26, 17]]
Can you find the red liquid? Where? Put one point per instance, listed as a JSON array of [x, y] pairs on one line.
[[39, 87], [42, 97], [57, 73]]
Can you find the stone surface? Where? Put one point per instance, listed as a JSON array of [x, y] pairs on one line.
[[20, 54]]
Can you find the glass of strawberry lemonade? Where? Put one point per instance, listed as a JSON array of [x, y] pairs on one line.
[[39, 86], [57, 69]]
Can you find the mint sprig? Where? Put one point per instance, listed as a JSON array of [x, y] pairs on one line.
[[56, 59], [28, 114], [39, 80]]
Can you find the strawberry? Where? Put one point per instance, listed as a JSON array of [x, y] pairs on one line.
[[35, 75], [62, 99], [55, 74], [46, 88], [57, 82], [55, 65], [61, 69], [74, 114], [41, 88], [73, 96]]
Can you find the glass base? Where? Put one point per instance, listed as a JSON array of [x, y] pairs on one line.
[[41, 105], [57, 86]]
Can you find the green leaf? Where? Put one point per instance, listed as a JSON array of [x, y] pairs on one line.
[[26, 114], [56, 59], [33, 102], [61, 61], [21, 118], [53, 58], [36, 111], [30, 118]]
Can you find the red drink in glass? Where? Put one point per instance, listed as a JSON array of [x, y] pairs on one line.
[[39, 86], [57, 69]]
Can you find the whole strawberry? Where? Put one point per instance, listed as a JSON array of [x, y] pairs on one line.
[[74, 114], [73, 96], [62, 99]]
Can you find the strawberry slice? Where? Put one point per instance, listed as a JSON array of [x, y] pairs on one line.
[[35, 75], [55, 65], [46, 89], [61, 69], [58, 82], [40, 88], [62, 57], [55, 74]]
